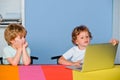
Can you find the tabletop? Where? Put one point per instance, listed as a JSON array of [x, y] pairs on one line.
[[55, 72]]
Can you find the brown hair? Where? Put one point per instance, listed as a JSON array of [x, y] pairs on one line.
[[12, 31], [77, 30]]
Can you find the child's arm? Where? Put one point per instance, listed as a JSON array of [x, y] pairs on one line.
[[20, 47], [15, 60], [25, 57], [17, 44], [63, 61]]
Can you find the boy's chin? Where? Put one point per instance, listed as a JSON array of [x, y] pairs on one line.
[[85, 45]]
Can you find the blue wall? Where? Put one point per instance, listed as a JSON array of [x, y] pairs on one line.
[[50, 23]]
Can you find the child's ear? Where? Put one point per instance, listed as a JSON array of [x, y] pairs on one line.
[[12, 41], [76, 42]]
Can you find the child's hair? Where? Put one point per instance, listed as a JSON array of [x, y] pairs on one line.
[[14, 30], [77, 30]]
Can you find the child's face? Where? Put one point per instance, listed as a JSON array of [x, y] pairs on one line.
[[83, 39], [18, 39]]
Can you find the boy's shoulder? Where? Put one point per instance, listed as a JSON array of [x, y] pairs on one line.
[[7, 47], [75, 48]]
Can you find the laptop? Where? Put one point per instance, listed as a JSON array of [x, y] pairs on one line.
[[97, 57]]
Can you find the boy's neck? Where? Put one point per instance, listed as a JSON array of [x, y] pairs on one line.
[[81, 47]]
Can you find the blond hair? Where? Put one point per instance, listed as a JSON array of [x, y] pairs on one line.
[[14, 30]]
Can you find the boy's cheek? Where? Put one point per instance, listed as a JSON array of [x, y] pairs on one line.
[[23, 40], [17, 39]]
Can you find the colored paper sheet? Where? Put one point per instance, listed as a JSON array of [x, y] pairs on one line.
[[56, 72], [33, 72], [106, 74], [8, 72]]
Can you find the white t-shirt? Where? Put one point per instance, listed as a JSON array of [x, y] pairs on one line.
[[74, 54], [10, 52]]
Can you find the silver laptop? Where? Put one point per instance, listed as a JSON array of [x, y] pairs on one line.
[[97, 57]]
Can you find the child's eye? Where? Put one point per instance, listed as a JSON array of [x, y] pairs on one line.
[[87, 36], [81, 37], [20, 37]]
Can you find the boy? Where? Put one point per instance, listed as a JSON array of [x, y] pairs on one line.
[[81, 37], [17, 51]]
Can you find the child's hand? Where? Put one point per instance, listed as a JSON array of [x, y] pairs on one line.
[[25, 44], [114, 42], [18, 43], [77, 63]]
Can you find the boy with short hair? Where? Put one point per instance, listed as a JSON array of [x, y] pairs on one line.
[[17, 51]]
